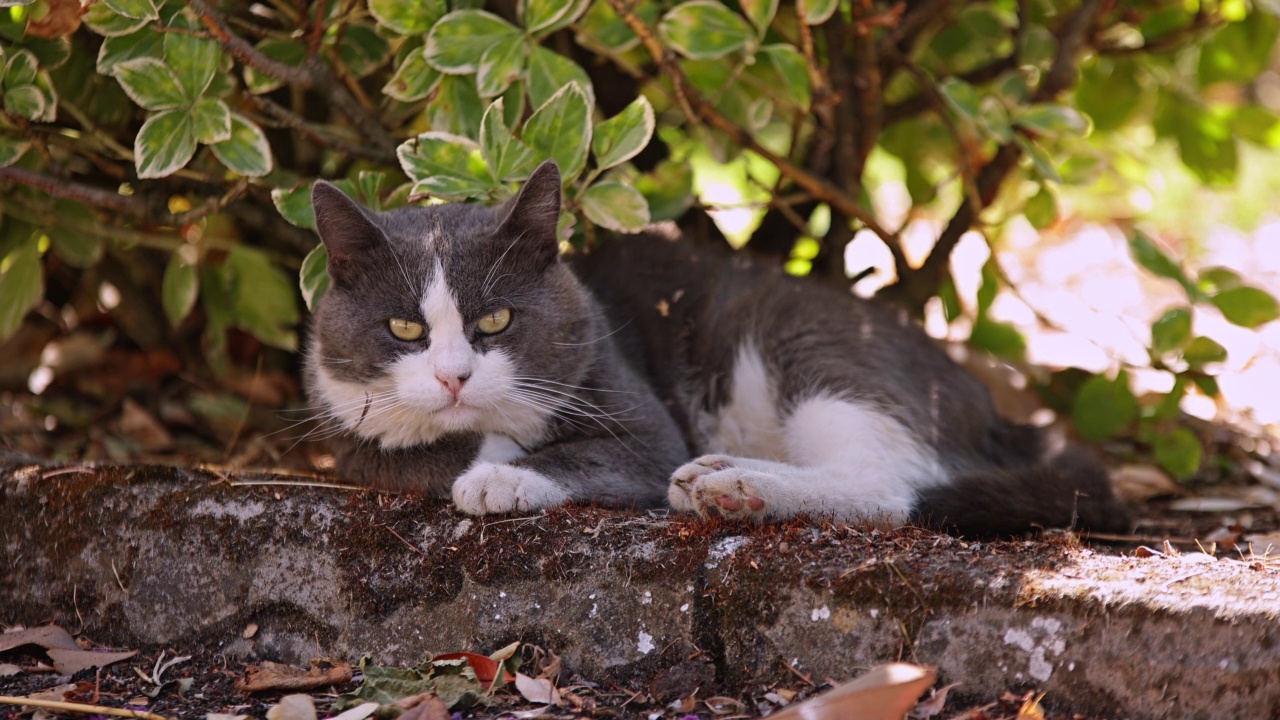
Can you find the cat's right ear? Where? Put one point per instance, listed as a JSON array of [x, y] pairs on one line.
[[534, 213], [345, 228]]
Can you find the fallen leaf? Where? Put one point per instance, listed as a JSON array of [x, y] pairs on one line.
[[485, 667], [1031, 709], [776, 699], [57, 694], [70, 662], [1213, 504], [522, 714], [721, 705], [225, 716], [1139, 483], [138, 425], [7, 669], [61, 18], [249, 631], [935, 703], [279, 676], [505, 653], [46, 636], [427, 706], [1264, 543], [293, 707], [359, 712], [538, 690], [886, 692]]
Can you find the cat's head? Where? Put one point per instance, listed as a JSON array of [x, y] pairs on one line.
[[443, 319]]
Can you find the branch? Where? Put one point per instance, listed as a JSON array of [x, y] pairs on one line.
[[917, 104], [69, 190], [313, 74], [699, 109], [292, 121]]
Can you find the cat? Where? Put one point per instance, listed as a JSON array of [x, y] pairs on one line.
[[457, 354]]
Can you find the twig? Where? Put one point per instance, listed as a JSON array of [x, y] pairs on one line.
[[213, 204], [292, 121], [929, 89], [80, 708], [698, 109], [69, 190], [917, 104]]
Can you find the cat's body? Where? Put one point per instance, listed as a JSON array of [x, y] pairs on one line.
[[654, 371]]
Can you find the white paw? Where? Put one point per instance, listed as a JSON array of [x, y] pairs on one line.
[[489, 488], [717, 484]]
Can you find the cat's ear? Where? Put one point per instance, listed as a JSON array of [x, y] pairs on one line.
[[534, 213], [345, 228]]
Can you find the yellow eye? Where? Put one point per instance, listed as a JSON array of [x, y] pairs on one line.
[[405, 329], [495, 322]]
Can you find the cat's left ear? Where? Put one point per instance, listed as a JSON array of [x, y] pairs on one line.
[[534, 213]]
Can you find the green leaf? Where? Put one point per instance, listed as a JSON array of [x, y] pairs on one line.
[[616, 206], [289, 53], [51, 52], [165, 144], [414, 79], [792, 72], [1207, 384], [407, 18], [11, 149], [443, 165], [294, 205], [246, 151], [1172, 330], [179, 289], [313, 279], [998, 338], [21, 285], [1042, 209], [1153, 258], [624, 135], [507, 157], [262, 297], [1201, 351], [704, 30], [76, 247], [108, 23], [362, 49], [151, 83], [456, 107], [760, 13], [143, 43], [816, 12], [1179, 452], [543, 17], [1246, 306], [25, 100], [457, 42], [1104, 408], [192, 59], [141, 9], [1104, 80], [962, 97], [1258, 125], [1050, 119], [549, 72], [561, 130], [501, 65], [1240, 51], [1040, 160], [20, 69], [1204, 137], [601, 26], [668, 189], [212, 120], [1214, 280]]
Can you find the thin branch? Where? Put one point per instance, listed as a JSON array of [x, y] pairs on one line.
[[289, 119], [918, 103], [69, 190], [911, 24], [80, 708], [929, 89], [213, 204], [313, 74], [698, 109]]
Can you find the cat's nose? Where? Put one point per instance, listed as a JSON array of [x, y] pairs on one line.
[[453, 383]]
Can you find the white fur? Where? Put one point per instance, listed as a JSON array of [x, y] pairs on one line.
[[836, 457], [495, 488], [410, 406], [499, 449]]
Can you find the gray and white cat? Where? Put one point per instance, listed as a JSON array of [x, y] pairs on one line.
[[455, 354]]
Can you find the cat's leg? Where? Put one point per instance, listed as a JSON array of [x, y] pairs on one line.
[[845, 459]]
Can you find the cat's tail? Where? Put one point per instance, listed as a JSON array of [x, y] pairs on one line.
[[1070, 489]]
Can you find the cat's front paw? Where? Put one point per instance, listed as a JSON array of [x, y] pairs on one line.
[[494, 488], [715, 484]]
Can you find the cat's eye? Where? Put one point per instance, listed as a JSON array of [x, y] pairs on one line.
[[494, 322], [405, 329]]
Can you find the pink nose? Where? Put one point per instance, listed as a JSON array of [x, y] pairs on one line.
[[453, 383]]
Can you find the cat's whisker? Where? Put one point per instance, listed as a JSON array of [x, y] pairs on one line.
[[569, 397], [520, 378], [581, 412], [592, 342], [487, 285]]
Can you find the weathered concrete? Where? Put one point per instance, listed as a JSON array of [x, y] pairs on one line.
[[150, 556]]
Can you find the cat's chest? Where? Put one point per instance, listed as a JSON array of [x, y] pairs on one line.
[[749, 424]]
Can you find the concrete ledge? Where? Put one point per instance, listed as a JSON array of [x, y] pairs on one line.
[[144, 556]]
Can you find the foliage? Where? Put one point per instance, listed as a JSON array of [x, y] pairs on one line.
[[165, 140]]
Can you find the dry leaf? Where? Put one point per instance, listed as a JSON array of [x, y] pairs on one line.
[[776, 699], [1031, 709], [70, 662], [46, 636], [225, 716], [139, 426], [249, 631], [61, 18], [1139, 483], [279, 676], [57, 694], [522, 714], [937, 700], [1214, 504], [506, 653], [886, 692], [293, 707], [359, 712], [721, 705], [7, 669], [426, 706], [538, 690]]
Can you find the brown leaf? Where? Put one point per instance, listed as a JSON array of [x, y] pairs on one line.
[[721, 705], [887, 692], [935, 703], [1031, 709], [70, 662], [61, 19], [1139, 483], [139, 426], [538, 690], [279, 676], [46, 636], [427, 707], [293, 707]]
